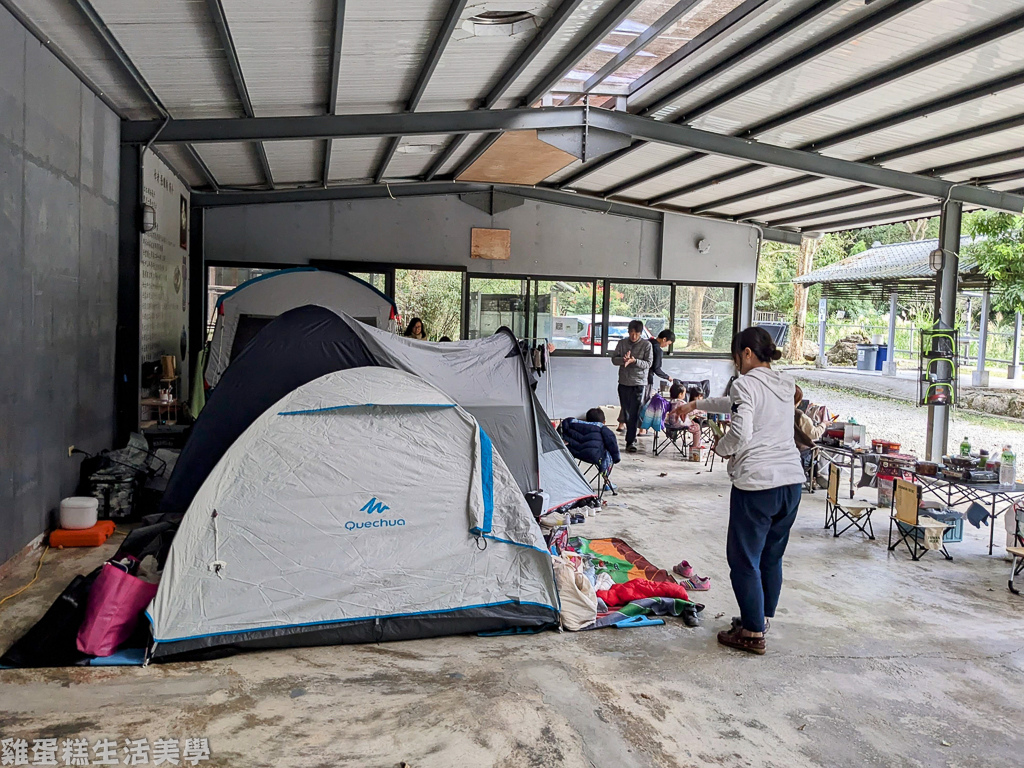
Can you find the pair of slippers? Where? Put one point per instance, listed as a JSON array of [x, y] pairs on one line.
[[691, 580]]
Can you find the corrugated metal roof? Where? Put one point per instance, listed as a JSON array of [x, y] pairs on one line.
[[284, 49], [885, 262]]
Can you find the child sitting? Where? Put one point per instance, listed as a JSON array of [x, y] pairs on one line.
[[694, 421], [591, 441]]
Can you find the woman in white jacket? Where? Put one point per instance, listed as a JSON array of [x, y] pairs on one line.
[[766, 473]]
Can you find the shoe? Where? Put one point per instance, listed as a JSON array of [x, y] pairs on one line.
[[621, 428], [691, 618], [683, 569], [737, 623], [697, 584], [734, 638], [631, 448]]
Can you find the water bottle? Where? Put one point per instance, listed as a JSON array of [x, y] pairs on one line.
[[1007, 468], [965, 447]]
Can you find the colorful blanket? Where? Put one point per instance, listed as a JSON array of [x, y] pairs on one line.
[[619, 560], [623, 563]]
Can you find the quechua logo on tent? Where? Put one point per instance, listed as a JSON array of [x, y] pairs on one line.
[[374, 506], [382, 522]]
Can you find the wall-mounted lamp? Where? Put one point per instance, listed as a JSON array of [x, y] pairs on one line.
[[936, 259], [148, 218]]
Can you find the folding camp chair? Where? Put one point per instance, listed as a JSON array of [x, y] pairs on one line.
[[857, 512], [673, 436], [1017, 551], [811, 472], [599, 481], [905, 520], [718, 430]]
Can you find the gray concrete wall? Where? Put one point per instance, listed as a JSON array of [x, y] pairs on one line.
[[58, 280], [547, 239]]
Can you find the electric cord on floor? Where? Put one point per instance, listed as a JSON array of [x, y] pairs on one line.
[[39, 568]]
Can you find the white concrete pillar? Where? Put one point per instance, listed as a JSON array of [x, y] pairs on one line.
[[822, 361], [1015, 370], [890, 365], [980, 375]]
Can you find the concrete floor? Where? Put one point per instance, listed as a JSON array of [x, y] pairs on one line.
[[873, 660]]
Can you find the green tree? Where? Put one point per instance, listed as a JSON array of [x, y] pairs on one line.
[[999, 248]]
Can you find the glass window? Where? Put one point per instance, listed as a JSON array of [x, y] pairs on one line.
[[563, 313], [704, 319], [647, 302], [432, 295], [498, 302], [377, 279]]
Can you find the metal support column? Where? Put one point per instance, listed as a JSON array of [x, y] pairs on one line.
[[196, 296], [126, 354], [822, 327], [890, 365], [1015, 371], [746, 313], [980, 376], [945, 314]]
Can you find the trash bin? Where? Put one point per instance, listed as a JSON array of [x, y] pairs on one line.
[[866, 354], [881, 356]]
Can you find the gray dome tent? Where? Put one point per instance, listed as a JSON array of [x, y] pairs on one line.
[[487, 377], [363, 506]]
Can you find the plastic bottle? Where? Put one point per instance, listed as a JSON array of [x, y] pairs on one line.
[[1007, 468], [965, 447]]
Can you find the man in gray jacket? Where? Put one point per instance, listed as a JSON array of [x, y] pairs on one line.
[[633, 356]]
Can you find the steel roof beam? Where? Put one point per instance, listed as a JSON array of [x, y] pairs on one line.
[[963, 96], [335, 75], [864, 85], [546, 33], [220, 23], [996, 178], [491, 121], [995, 126], [204, 169], [102, 31], [980, 38], [667, 19], [350, 126], [721, 29], [794, 159], [773, 36], [608, 23], [444, 36], [433, 188]]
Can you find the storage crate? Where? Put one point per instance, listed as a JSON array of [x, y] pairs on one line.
[[953, 535]]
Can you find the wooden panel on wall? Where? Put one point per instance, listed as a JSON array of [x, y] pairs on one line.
[[517, 157], [495, 244]]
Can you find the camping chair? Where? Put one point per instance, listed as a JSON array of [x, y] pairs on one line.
[[811, 472], [599, 481], [905, 519], [1017, 551], [857, 512], [717, 430], [673, 436]]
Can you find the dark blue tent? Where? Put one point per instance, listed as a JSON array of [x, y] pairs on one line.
[[297, 347]]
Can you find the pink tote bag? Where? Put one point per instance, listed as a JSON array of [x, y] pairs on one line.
[[115, 602]]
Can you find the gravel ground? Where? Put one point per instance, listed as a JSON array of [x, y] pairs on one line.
[[905, 423]]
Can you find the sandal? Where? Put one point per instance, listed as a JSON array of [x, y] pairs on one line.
[[734, 638]]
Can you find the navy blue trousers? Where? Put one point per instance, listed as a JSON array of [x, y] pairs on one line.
[[759, 524]]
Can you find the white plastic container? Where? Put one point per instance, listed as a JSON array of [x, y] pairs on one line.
[[78, 512]]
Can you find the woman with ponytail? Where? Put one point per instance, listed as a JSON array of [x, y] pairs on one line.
[[767, 476]]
